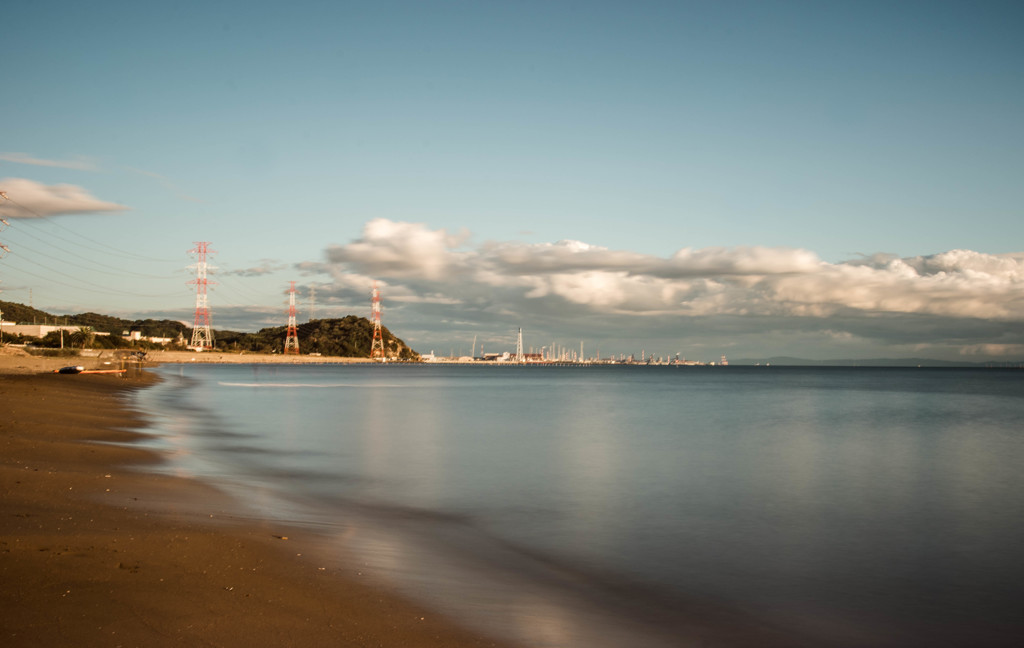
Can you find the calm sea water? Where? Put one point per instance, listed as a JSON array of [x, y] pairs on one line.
[[622, 506]]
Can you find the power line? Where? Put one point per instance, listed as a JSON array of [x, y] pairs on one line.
[[226, 281], [109, 248], [17, 270], [116, 271], [3, 225]]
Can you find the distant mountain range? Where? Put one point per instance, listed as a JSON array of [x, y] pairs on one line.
[[789, 361]]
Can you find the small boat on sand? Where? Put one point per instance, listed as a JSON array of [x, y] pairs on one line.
[[78, 369]]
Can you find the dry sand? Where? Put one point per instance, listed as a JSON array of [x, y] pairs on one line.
[[95, 552]]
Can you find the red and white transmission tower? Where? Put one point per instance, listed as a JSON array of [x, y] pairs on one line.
[[202, 334], [377, 346], [291, 341]]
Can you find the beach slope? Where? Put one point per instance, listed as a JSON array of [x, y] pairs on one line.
[[95, 551]]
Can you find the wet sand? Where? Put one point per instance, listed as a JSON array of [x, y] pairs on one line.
[[219, 357], [96, 552]]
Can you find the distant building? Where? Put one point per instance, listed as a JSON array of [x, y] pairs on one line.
[[36, 330], [135, 335]]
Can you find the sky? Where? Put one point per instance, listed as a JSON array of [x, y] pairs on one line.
[[749, 179]]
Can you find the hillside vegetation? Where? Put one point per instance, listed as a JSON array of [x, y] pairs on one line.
[[21, 314], [349, 336]]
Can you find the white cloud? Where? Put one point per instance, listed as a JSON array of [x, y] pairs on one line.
[[954, 284], [992, 350], [957, 298], [30, 199], [402, 250], [741, 261]]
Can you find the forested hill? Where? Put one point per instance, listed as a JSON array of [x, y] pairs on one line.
[[347, 337], [22, 314]]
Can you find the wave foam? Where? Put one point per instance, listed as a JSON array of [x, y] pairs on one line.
[[302, 385]]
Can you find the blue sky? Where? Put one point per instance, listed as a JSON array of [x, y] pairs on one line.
[[828, 156]]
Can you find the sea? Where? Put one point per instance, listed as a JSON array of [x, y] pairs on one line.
[[613, 506]]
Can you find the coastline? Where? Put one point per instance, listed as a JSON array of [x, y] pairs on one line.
[[220, 357], [97, 552]]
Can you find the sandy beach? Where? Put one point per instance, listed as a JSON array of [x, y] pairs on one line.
[[246, 358], [95, 551]]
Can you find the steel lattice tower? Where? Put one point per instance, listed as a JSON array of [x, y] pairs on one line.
[[377, 346], [291, 341], [202, 334]]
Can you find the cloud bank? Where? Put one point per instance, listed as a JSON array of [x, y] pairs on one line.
[[30, 199], [747, 299], [266, 267]]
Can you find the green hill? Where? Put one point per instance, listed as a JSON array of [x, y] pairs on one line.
[[21, 314], [347, 337]]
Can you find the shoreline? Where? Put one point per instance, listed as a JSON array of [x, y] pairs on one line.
[[95, 551], [436, 557], [221, 357]]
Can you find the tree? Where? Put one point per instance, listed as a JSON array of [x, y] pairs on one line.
[[83, 337]]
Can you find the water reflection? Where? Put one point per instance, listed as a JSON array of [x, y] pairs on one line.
[[885, 501]]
